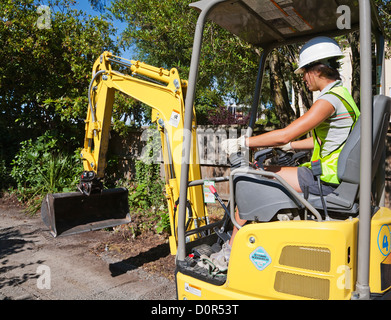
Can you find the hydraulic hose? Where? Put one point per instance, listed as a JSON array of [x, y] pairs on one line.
[[89, 94]]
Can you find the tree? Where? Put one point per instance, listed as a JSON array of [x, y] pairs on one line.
[[162, 34], [47, 55], [384, 10], [353, 40], [279, 90]]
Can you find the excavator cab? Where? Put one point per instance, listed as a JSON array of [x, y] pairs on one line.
[[291, 248]]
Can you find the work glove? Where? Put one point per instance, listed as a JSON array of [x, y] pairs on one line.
[[231, 146], [286, 147]]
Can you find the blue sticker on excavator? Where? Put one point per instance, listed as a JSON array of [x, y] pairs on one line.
[[260, 258]]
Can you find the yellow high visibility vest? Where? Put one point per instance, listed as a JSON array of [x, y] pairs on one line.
[[329, 162]]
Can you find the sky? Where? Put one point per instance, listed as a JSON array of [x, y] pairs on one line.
[[86, 7]]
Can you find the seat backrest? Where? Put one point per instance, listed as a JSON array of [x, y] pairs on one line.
[[344, 198], [349, 159]]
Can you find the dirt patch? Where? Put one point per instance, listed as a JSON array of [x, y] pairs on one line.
[[9, 200], [149, 251], [135, 245]]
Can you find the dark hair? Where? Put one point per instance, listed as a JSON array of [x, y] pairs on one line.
[[329, 71]]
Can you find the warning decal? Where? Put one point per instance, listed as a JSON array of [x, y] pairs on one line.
[[208, 195], [174, 119], [260, 258], [384, 240], [193, 289]]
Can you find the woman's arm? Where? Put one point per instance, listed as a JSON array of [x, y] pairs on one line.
[[319, 112], [305, 144]]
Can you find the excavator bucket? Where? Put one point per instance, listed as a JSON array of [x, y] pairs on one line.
[[74, 212]]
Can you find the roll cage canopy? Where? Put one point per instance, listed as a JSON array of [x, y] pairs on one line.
[[266, 23]]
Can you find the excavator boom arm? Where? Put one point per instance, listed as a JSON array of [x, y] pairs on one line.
[[163, 91]]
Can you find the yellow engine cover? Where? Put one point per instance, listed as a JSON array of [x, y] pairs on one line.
[[285, 260], [295, 260]]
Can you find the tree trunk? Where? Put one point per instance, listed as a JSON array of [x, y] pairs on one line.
[[297, 81], [279, 91], [353, 40]]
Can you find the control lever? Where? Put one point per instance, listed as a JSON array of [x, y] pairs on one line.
[[220, 231]]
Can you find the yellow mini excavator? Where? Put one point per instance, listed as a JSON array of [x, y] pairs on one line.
[[293, 246]]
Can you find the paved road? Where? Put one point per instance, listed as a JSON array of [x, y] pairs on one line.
[[35, 266]]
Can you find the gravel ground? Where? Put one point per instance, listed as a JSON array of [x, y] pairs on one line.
[[97, 265]]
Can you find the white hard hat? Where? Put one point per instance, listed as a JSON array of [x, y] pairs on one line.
[[318, 49]]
